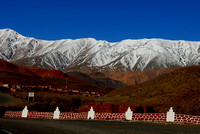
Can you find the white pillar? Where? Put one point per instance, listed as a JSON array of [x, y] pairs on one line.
[[170, 115], [25, 112], [56, 114], [91, 113], [128, 114]]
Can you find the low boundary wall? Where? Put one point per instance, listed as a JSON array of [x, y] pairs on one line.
[[160, 117], [73, 115], [149, 117], [44, 115], [109, 116], [13, 114], [187, 118]]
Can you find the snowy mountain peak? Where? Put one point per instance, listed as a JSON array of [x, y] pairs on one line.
[[76, 54]]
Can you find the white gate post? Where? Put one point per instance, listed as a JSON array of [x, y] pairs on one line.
[[24, 112], [91, 113], [170, 115], [128, 114], [56, 114]]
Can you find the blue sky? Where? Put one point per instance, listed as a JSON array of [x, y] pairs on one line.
[[111, 20]]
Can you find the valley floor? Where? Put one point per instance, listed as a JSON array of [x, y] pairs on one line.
[[24, 126]]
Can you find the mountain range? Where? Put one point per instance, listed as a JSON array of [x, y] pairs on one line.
[[92, 57], [158, 72]]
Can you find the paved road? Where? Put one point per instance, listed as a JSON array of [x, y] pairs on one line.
[[20, 126], [4, 99], [4, 132]]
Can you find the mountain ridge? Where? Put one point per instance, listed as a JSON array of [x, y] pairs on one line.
[[89, 56], [69, 54]]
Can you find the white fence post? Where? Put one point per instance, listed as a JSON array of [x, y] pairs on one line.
[[56, 114], [170, 115], [24, 112], [128, 114], [91, 113]]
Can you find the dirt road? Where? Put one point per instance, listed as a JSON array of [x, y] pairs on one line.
[[27, 126]]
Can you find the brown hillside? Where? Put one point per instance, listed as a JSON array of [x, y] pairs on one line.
[[179, 89], [138, 77], [98, 81], [128, 77], [25, 75]]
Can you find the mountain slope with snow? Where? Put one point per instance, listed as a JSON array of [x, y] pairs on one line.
[[101, 55]]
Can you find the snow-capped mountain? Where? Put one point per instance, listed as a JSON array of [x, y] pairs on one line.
[[89, 53]]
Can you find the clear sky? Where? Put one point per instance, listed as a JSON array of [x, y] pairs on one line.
[[111, 20]]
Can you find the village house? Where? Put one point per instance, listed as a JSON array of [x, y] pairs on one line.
[[59, 90], [12, 90], [5, 85], [75, 92]]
